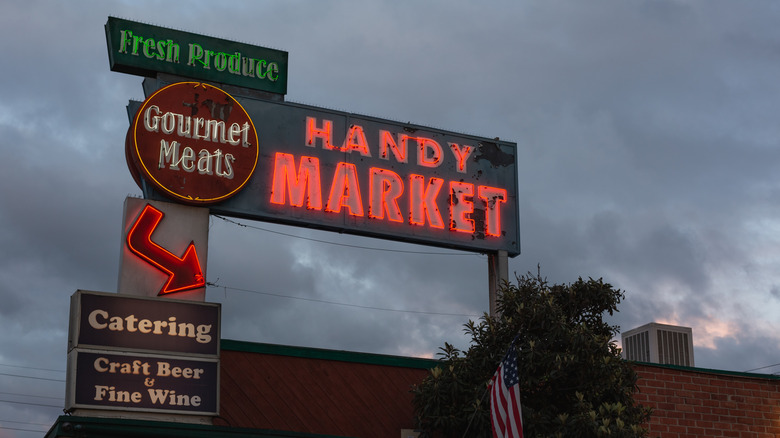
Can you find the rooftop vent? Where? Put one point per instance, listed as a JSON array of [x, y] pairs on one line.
[[659, 343]]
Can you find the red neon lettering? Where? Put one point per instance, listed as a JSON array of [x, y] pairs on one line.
[[461, 155], [356, 140], [325, 133], [426, 144], [306, 181], [422, 201], [386, 139], [493, 197], [460, 207], [385, 188], [345, 192]]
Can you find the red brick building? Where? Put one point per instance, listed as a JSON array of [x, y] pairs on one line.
[[695, 402], [280, 391]]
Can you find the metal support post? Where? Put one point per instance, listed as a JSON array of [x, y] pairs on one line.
[[498, 273]]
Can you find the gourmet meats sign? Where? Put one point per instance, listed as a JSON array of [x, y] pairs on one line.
[[193, 142]]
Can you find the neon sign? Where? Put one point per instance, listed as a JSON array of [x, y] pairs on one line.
[[194, 142], [142, 49], [362, 175], [295, 185], [385, 189], [184, 272]]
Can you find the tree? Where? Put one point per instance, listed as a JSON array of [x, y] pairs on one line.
[[572, 379]]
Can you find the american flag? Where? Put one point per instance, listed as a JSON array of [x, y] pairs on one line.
[[505, 415]]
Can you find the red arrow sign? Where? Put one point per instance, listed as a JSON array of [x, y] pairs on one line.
[[183, 272]]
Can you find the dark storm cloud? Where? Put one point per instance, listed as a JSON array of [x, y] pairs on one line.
[[647, 149]]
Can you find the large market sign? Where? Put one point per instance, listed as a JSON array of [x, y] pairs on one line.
[[326, 169], [144, 50], [255, 156]]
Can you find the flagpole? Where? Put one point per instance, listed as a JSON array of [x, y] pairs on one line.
[[487, 388], [475, 411]]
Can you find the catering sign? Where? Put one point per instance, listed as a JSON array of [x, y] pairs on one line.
[[125, 322]]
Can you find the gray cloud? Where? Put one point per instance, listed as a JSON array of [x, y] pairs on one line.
[[647, 146]]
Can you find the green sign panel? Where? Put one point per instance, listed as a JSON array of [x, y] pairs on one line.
[[145, 50]]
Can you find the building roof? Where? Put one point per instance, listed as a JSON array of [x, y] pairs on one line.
[[280, 391], [308, 390], [275, 391]]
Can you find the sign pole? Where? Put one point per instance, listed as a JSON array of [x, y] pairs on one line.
[[498, 273]]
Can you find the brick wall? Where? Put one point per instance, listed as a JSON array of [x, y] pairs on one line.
[[698, 403]]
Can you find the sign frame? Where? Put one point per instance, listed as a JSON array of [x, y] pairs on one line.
[[496, 155], [144, 50], [84, 338], [77, 377]]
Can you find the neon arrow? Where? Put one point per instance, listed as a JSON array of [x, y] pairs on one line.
[[183, 272]]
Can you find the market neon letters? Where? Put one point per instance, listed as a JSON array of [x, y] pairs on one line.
[[429, 152], [422, 201], [388, 193], [296, 186], [354, 141], [386, 187]]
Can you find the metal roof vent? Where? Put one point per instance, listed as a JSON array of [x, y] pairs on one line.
[[659, 343]]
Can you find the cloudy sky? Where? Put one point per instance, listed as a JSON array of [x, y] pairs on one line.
[[648, 154]]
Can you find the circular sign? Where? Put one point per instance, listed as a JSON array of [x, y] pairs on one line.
[[193, 142]]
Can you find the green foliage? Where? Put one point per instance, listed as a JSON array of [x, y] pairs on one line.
[[573, 381]]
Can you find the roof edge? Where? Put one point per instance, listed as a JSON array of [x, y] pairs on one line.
[[709, 371], [324, 354], [74, 426]]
